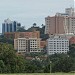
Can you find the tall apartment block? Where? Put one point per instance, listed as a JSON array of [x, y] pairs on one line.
[[69, 20], [23, 45], [70, 24], [57, 44], [10, 26], [61, 23], [54, 25]]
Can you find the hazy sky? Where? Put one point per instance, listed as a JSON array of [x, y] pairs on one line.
[[29, 11]]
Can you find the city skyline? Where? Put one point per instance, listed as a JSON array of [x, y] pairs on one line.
[[27, 12]]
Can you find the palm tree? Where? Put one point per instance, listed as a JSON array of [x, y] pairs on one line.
[[34, 24]]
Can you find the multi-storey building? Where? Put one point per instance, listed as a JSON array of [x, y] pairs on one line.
[[15, 35], [61, 23], [70, 11], [57, 44], [20, 45], [10, 26], [23, 45], [69, 24], [69, 20], [35, 45], [54, 25]]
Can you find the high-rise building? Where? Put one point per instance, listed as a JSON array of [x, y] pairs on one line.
[[10, 26], [54, 25], [70, 11], [69, 24], [61, 23], [57, 44]]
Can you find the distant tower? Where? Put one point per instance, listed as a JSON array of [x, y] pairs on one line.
[[10, 26], [70, 11]]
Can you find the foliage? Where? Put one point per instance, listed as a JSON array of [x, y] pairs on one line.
[[60, 63], [3, 39], [21, 29], [72, 51], [9, 61]]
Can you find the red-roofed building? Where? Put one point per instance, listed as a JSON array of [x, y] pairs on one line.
[[72, 40]]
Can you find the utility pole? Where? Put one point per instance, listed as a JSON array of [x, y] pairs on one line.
[[50, 66]]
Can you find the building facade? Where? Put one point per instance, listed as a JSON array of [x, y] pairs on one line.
[[69, 20], [57, 45], [20, 45], [35, 45], [10, 26], [23, 45], [70, 24], [70, 11], [15, 35], [54, 25], [61, 23]]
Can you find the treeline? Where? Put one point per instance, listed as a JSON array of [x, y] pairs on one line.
[[10, 62], [34, 27]]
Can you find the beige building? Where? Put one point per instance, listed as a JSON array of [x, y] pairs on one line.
[[35, 45], [20, 44], [23, 45]]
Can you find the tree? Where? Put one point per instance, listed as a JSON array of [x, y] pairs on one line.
[[34, 24], [2, 66], [63, 65], [60, 63], [3, 39], [21, 29], [10, 61], [72, 51]]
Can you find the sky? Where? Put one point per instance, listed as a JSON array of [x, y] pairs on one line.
[[28, 12]]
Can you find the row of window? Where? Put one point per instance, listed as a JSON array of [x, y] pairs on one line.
[[57, 50]]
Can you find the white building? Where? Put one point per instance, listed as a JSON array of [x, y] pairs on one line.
[[57, 44], [68, 12]]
